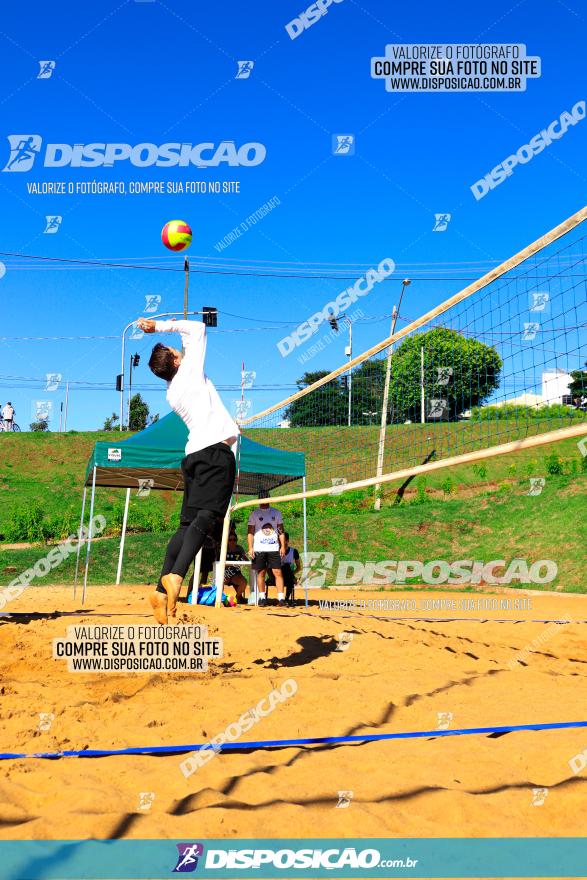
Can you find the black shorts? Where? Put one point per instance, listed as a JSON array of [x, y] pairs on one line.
[[266, 560], [208, 480]]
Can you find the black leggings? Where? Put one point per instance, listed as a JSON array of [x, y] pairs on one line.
[[185, 544]]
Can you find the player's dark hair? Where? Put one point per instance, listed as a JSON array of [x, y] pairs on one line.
[[162, 362]]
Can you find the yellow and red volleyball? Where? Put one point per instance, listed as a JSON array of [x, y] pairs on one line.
[[176, 235]]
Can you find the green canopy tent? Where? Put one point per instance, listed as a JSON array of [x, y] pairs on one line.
[[152, 459]]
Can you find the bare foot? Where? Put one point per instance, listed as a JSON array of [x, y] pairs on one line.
[[159, 605], [171, 583]]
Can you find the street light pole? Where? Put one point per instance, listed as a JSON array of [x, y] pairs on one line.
[[350, 357], [381, 448]]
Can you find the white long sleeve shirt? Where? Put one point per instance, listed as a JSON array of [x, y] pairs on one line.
[[192, 395]]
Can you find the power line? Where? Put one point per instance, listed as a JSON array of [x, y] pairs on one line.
[[243, 273]]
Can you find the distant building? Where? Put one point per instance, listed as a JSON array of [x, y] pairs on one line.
[[555, 386], [284, 424]]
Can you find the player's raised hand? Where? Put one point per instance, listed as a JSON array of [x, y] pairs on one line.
[[147, 325]]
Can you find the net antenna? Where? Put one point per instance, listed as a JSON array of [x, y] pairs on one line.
[[490, 371]]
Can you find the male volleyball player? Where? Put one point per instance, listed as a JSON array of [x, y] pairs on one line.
[[209, 466]]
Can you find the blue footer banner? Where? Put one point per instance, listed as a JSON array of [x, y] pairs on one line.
[[371, 857]]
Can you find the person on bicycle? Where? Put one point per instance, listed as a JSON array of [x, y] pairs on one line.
[[8, 416]]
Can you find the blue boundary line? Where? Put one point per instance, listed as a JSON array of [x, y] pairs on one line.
[[288, 743]]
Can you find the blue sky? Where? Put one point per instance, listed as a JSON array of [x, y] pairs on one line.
[[156, 72]]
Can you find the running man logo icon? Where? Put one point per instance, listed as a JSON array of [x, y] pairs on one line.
[[530, 331], [152, 301], [241, 408], [53, 223], [145, 487], [146, 799], [438, 409], [53, 381], [441, 222], [248, 378], [187, 860], [539, 302], [444, 375], [537, 484], [315, 567], [137, 333], [24, 149], [444, 719], [344, 799], [46, 69], [538, 796], [244, 69], [343, 145], [344, 640], [46, 719]]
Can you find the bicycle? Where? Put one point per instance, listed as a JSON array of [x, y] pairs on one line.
[[3, 427]]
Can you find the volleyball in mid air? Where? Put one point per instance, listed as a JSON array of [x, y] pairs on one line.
[[176, 235]]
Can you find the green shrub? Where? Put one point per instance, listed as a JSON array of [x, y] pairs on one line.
[[554, 463]]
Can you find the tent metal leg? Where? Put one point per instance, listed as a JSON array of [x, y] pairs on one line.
[[89, 545], [79, 541], [122, 537], [305, 537], [197, 571], [220, 567]]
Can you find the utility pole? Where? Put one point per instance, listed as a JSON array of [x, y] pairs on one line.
[[186, 269], [135, 360], [66, 406], [381, 449], [349, 353], [422, 401]]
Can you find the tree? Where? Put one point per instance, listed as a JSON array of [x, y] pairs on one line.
[[458, 370], [41, 425], [109, 424], [325, 406], [578, 387], [139, 413]]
